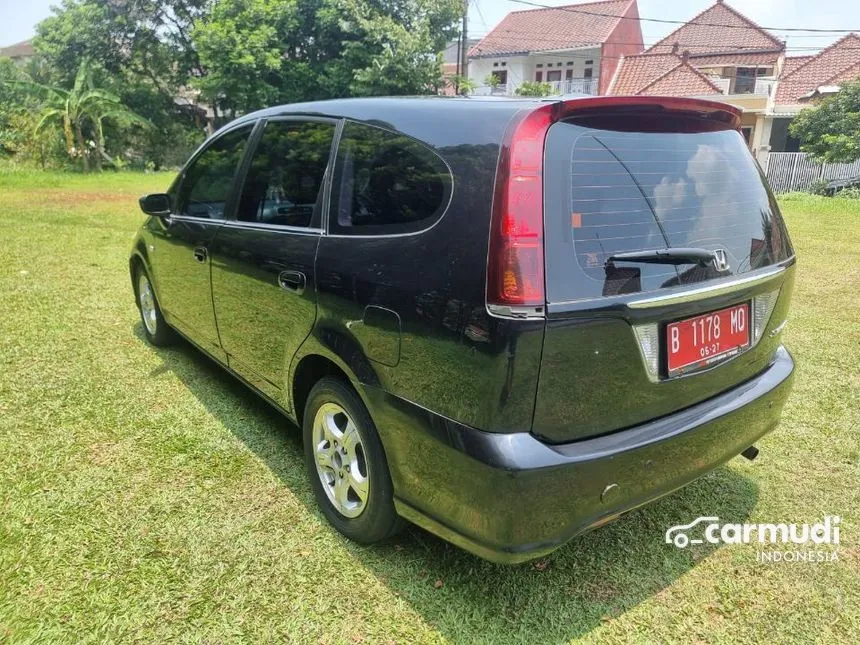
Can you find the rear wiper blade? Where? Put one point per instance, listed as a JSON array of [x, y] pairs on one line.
[[702, 257]]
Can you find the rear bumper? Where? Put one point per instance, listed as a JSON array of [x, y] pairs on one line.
[[510, 497]]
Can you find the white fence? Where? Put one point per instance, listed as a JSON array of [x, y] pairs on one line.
[[787, 171]]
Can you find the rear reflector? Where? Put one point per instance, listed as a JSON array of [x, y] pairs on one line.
[[762, 309], [515, 272]]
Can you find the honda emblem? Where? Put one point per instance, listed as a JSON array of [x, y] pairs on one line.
[[721, 260]]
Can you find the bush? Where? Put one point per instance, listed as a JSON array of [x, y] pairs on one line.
[[819, 187], [529, 88], [852, 192], [797, 196]]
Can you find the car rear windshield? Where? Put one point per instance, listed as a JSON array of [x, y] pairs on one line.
[[609, 192]]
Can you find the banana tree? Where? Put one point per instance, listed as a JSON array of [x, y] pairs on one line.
[[84, 108]]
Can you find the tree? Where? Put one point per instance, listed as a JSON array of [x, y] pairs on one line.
[[259, 52], [19, 111], [148, 39], [83, 109], [146, 57], [830, 131]]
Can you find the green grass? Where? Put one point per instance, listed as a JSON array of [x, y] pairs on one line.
[[147, 496]]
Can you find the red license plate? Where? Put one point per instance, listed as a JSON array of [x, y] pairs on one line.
[[705, 339]]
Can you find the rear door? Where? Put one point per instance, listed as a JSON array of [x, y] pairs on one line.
[[628, 340], [263, 282]]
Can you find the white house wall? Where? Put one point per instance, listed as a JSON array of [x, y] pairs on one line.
[[522, 68], [480, 68]]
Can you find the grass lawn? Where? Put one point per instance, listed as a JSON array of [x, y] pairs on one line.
[[147, 496]]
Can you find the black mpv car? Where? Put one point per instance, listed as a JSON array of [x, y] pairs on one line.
[[507, 321]]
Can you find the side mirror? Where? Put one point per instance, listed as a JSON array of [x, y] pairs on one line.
[[156, 204]]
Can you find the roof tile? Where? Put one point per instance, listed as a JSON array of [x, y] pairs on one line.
[[639, 71], [828, 64], [719, 28], [683, 80], [750, 60], [792, 63], [847, 75], [18, 50]]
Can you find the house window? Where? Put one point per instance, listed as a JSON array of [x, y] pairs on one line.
[[589, 62], [568, 74], [538, 76], [503, 63], [501, 76], [539, 65], [745, 80], [495, 64], [569, 63], [588, 72], [554, 75], [549, 64]]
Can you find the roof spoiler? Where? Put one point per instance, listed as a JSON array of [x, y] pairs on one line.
[[717, 116]]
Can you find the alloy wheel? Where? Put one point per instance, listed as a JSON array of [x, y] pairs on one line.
[[340, 460], [147, 304]]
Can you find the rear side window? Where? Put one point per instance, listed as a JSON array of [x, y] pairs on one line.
[[386, 183], [284, 182], [207, 181], [609, 192]]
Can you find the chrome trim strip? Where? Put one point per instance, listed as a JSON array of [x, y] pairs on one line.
[[776, 330], [262, 226], [718, 289], [518, 313]]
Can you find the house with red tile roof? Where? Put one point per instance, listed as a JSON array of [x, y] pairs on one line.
[[18, 51], [575, 48], [719, 54], [802, 80]]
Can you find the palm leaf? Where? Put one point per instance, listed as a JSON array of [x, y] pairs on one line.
[[47, 116]]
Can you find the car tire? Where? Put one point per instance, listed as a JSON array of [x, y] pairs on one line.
[[156, 329], [346, 464]]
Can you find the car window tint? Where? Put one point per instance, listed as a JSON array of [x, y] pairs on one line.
[[609, 192], [207, 180], [285, 179], [387, 183]]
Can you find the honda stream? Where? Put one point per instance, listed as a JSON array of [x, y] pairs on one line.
[[506, 320]]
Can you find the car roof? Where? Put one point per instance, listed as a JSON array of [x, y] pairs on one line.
[[437, 120], [359, 107]]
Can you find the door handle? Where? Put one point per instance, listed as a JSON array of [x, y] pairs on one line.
[[200, 253], [294, 281]]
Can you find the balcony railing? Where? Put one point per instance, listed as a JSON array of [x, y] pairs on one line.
[[574, 86], [763, 86], [723, 83], [557, 88]]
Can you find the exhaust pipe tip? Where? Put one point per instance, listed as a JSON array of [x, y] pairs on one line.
[[750, 453]]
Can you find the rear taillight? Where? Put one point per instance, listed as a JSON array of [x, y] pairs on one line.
[[515, 271]]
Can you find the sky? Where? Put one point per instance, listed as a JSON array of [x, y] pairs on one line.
[[18, 18]]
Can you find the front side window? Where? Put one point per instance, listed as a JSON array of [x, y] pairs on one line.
[[386, 183], [285, 180], [207, 181]]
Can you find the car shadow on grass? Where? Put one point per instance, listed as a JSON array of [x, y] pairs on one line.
[[588, 582]]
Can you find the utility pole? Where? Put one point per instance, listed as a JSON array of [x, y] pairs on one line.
[[463, 62]]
